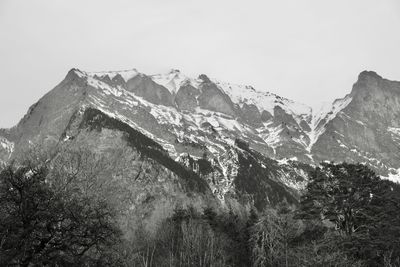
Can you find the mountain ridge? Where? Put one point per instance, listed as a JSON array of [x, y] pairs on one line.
[[203, 116]]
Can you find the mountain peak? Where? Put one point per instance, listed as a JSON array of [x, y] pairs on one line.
[[125, 74], [74, 72], [75, 75], [368, 74], [366, 81], [174, 71], [204, 78], [173, 106]]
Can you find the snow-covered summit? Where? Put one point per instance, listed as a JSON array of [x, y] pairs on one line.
[[322, 116], [267, 101], [202, 115], [239, 94], [173, 80], [125, 74]]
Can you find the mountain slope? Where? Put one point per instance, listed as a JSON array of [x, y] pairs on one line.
[[364, 128], [128, 103], [249, 146]]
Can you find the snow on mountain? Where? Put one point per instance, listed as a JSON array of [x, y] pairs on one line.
[[320, 119], [269, 134], [202, 128], [125, 74], [395, 132], [183, 132], [239, 140], [6, 145], [241, 94], [173, 80], [225, 124], [394, 175]]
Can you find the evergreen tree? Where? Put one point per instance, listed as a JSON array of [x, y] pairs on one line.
[[363, 208], [339, 194]]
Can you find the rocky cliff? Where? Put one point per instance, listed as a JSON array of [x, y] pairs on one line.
[[214, 141]]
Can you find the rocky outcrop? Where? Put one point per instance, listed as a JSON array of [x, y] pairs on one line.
[[265, 116], [251, 115], [150, 184], [45, 120], [212, 98], [144, 86], [366, 129], [118, 80], [186, 97]]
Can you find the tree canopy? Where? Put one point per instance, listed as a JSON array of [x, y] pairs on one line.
[[50, 223], [363, 208]]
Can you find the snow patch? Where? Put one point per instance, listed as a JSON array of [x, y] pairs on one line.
[[323, 117], [267, 101], [394, 175], [173, 80], [125, 74], [7, 145], [270, 135], [394, 130]]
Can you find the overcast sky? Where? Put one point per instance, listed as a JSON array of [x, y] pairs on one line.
[[306, 50]]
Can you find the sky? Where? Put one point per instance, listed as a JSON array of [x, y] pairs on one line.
[[309, 51]]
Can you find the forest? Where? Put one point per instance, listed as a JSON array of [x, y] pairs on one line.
[[54, 214]]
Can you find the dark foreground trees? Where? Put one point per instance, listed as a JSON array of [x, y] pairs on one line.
[[347, 216], [193, 238], [64, 214], [278, 239], [44, 223], [363, 210]]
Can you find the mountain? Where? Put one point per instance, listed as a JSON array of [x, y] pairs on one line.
[[363, 126], [213, 141]]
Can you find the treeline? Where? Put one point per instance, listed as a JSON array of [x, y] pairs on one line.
[[52, 216], [193, 238], [273, 238]]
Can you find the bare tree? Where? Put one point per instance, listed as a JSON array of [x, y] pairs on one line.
[[271, 237], [45, 222]]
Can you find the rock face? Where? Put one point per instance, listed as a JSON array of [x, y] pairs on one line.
[[150, 184], [251, 115], [213, 141], [214, 99], [367, 128], [186, 97], [144, 86]]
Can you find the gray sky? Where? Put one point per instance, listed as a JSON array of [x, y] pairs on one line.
[[309, 50]]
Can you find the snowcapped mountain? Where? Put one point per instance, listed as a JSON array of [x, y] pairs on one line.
[[192, 108], [241, 141]]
